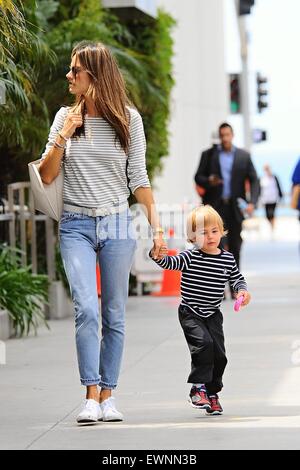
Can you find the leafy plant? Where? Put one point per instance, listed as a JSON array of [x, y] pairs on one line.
[[24, 118], [22, 293], [22, 55], [38, 37]]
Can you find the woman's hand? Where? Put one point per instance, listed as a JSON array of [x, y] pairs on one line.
[[246, 295], [73, 120], [160, 249]]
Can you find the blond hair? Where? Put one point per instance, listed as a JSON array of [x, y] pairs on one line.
[[200, 217]]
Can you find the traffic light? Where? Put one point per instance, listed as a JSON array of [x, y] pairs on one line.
[[259, 135], [261, 92], [235, 96], [245, 6]]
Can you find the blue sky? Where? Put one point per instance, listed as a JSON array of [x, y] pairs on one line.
[[274, 51]]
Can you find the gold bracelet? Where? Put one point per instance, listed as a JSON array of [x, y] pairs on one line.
[[158, 230]]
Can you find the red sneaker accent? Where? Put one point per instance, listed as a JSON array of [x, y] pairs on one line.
[[215, 406], [199, 399]]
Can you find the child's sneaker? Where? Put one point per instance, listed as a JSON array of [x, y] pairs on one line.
[[215, 405], [199, 398]]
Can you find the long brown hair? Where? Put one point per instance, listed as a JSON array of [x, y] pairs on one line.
[[107, 88]]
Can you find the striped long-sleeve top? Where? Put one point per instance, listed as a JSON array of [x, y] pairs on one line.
[[203, 278], [95, 164]]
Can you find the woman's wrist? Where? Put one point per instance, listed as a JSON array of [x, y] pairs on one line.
[[66, 132], [158, 230], [58, 148], [60, 141], [158, 236], [63, 136]]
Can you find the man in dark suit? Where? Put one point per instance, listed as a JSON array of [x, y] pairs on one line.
[[223, 173]]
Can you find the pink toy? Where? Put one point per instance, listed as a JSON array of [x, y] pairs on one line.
[[238, 303]]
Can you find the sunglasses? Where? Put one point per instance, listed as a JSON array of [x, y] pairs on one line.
[[75, 70]]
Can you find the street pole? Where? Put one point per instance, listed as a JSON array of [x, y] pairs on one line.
[[245, 79]]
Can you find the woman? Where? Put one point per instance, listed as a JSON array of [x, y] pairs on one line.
[[100, 142], [270, 194]]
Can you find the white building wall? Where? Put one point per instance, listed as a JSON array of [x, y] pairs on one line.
[[233, 61], [200, 98]]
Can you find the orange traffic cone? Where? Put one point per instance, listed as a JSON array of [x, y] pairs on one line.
[[170, 286], [98, 280]]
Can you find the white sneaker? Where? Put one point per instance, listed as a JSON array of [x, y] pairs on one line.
[[109, 410], [90, 413]]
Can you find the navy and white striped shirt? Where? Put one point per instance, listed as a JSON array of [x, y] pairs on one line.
[[95, 163], [203, 278]]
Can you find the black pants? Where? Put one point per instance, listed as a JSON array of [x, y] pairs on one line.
[[205, 339], [270, 211], [233, 239]]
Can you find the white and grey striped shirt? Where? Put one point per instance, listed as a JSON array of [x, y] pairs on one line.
[[203, 278], [95, 163]]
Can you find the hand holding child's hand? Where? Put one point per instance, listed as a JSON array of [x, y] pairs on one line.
[[160, 249], [246, 295], [163, 251]]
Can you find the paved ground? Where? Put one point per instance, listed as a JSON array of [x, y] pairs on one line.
[[40, 394]]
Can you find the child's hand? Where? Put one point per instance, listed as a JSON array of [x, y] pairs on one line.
[[159, 250], [246, 295], [163, 251]]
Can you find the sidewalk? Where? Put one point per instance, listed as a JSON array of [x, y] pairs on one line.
[[40, 393]]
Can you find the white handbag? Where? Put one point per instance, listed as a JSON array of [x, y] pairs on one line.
[[48, 198]]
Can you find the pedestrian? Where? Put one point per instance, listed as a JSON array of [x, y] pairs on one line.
[[296, 188], [223, 173], [100, 142], [205, 270], [270, 193]]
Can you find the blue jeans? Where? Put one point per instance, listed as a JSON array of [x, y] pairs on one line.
[[113, 239]]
